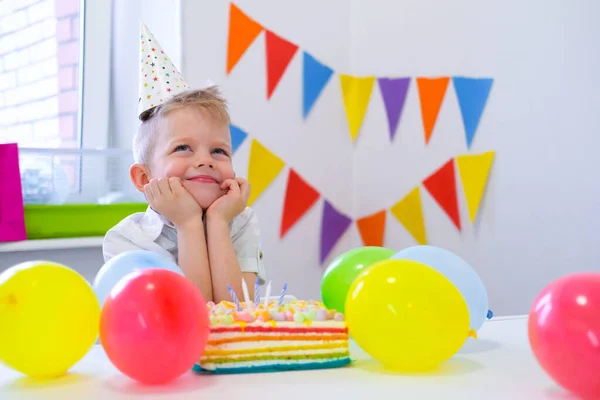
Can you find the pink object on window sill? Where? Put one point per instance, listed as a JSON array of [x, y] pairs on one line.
[[12, 219]]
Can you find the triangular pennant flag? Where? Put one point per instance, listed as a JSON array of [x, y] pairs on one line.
[[333, 226], [237, 137], [279, 54], [409, 212], [315, 76], [472, 94], [242, 32], [431, 93], [299, 198], [372, 228], [474, 171], [263, 168], [442, 187], [356, 93], [393, 91]]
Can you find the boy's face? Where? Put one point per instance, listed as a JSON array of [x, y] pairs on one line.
[[196, 147]]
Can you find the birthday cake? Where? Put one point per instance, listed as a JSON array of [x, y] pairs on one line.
[[273, 336]]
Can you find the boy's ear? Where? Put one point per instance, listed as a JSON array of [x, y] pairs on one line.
[[139, 175]]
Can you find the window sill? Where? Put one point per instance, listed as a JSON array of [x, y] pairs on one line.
[[51, 244]]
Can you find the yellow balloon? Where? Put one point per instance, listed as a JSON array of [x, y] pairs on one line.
[[406, 315], [49, 318]]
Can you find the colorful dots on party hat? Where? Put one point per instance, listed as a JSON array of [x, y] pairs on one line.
[[159, 79]]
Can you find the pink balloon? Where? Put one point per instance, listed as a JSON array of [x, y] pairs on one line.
[[564, 332], [154, 325]]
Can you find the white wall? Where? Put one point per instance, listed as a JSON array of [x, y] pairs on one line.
[[537, 220]]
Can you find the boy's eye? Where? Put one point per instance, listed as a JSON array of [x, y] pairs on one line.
[[220, 151], [182, 147]]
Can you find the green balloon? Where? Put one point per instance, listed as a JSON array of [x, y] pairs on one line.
[[342, 271]]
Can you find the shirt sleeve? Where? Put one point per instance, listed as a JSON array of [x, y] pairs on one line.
[[247, 245], [115, 243]]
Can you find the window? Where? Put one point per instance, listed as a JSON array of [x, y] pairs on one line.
[[54, 98]]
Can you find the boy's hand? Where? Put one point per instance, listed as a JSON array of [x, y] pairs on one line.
[[168, 197], [233, 202]]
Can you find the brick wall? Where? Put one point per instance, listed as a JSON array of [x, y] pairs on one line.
[[39, 72]]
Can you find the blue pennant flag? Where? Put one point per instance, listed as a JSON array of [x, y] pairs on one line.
[[472, 94], [315, 77], [237, 137]]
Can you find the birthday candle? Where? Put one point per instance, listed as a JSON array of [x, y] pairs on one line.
[[282, 294], [234, 298], [246, 295], [256, 292], [267, 294]]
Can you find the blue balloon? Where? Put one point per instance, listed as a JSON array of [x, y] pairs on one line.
[[123, 264], [459, 272]]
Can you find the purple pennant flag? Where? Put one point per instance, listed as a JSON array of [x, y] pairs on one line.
[[394, 92], [333, 226]]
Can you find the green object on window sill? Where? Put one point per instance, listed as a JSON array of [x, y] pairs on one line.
[[75, 220]]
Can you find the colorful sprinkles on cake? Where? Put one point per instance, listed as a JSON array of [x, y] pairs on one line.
[[274, 336]]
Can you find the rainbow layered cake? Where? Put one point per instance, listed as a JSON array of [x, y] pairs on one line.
[[274, 337]]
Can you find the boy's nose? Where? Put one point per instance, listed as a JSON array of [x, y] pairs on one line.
[[206, 165]]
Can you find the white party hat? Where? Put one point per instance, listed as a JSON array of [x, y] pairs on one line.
[[159, 79]]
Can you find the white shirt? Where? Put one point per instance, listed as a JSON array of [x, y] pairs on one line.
[[150, 231]]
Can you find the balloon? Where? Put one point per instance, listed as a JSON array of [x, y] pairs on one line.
[[48, 318], [406, 315], [154, 325], [459, 272], [124, 263], [342, 271], [564, 332]]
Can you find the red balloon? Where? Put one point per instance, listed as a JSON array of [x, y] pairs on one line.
[[154, 325], [564, 332]]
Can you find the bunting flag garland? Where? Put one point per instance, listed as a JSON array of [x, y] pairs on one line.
[[242, 32], [315, 76], [279, 54], [474, 170], [333, 225], [394, 93], [431, 94], [372, 228], [472, 94], [442, 187], [409, 212], [238, 135], [263, 168], [357, 93], [299, 198]]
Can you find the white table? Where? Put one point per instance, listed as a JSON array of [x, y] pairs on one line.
[[500, 365]]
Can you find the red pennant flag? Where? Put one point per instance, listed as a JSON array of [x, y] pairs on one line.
[[442, 187], [279, 54], [299, 198], [372, 228], [242, 32]]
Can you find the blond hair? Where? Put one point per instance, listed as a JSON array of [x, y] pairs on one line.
[[209, 99]]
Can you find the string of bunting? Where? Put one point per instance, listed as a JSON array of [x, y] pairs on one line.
[[472, 93], [264, 167]]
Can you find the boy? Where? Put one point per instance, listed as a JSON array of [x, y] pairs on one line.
[[197, 212]]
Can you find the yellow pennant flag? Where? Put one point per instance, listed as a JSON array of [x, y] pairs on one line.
[[410, 214], [474, 171], [263, 168], [356, 93]]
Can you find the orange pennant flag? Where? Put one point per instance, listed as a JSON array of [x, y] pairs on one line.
[[409, 212], [299, 198], [431, 93], [279, 54], [372, 228], [242, 32]]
